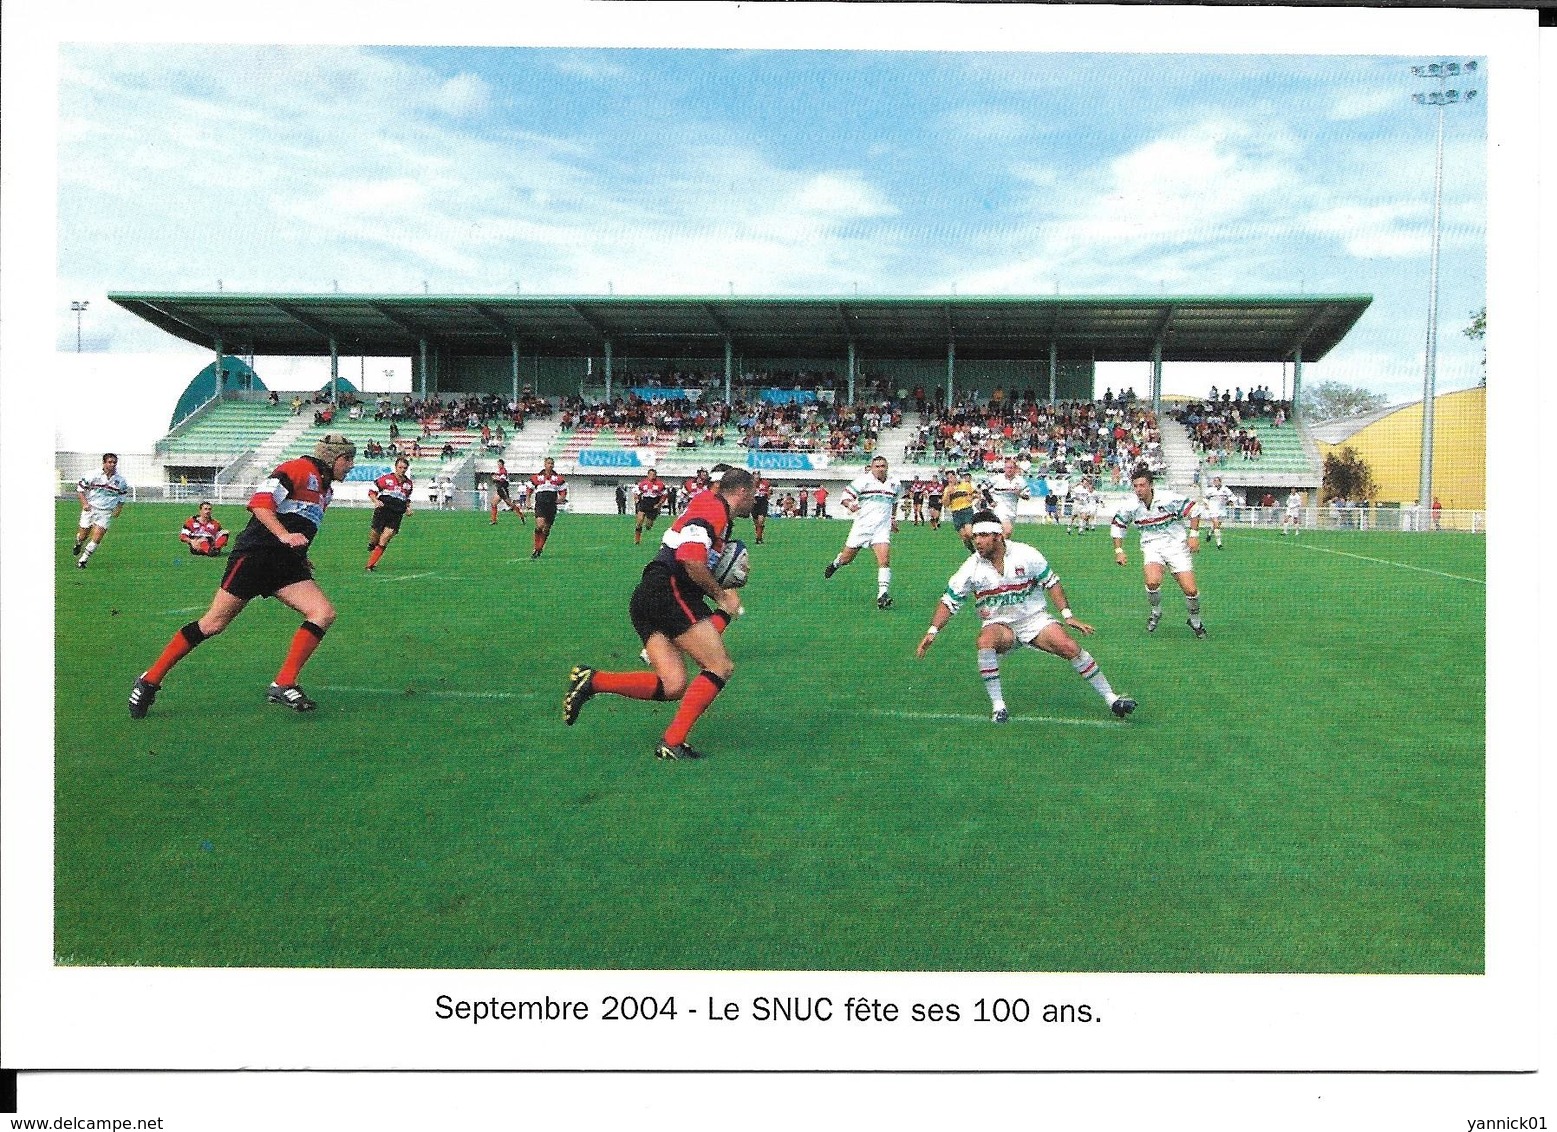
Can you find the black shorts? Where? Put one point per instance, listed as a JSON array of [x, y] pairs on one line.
[[546, 506], [260, 573], [759, 507], [649, 509], [665, 602], [387, 518], [935, 502], [502, 491]]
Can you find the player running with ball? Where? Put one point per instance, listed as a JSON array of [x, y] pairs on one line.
[[672, 619], [1010, 584]]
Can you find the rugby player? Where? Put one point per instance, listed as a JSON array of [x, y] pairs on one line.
[[391, 496], [270, 559], [1010, 584], [872, 500], [203, 534], [549, 489], [500, 493], [670, 614], [1170, 533], [651, 497], [102, 498], [1218, 499]]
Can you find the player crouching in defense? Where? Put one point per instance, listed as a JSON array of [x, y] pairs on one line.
[[270, 559], [1010, 583], [203, 534], [672, 619]]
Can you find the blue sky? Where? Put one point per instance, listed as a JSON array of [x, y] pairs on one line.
[[694, 171]]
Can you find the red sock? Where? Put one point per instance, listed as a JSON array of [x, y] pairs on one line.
[[633, 685], [700, 693], [494, 512], [178, 648], [304, 641], [538, 539], [720, 619], [378, 552]]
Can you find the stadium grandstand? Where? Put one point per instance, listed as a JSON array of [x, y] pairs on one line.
[[803, 389]]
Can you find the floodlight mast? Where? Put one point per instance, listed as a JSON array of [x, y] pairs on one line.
[[79, 305], [1444, 96]]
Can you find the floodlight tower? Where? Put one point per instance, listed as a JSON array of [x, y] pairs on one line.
[[1442, 73], [78, 305]]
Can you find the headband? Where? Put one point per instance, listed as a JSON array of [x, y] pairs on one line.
[[987, 528]]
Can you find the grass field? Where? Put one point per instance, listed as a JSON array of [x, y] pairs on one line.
[[1301, 792]]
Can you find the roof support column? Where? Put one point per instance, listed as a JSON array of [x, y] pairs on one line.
[[1156, 377], [1054, 369], [335, 372], [608, 370], [514, 345], [423, 372], [852, 363], [729, 366], [1297, 381], [951, 371], [220, 373]]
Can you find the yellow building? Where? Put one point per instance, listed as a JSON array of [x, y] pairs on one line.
[[1390, 442]]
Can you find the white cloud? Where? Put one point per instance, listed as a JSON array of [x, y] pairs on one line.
[[460, 96], [1370, 231], [1366, 102]]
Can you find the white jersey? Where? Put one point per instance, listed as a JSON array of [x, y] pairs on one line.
[[1218, 500], [1294, 503], [877, 499], [1162, 525], [104, 492], [1005, 492], [1010, 596]]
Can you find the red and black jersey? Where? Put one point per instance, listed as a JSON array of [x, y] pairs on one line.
[[394, 489], [198, 528], [651, 490], [546, 486], [698, 535], [298, 492], [764, 489]]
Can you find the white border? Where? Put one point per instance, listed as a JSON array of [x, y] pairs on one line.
[[161, 1018]]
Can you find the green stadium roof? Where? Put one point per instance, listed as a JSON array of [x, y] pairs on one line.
[[1193, 328]]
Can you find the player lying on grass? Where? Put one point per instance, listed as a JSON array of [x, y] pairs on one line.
[[203, 534], [672, 618], [1010, 583]]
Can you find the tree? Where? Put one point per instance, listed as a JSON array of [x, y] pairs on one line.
[[1348, 476], [1330, 399], [1477, 332]]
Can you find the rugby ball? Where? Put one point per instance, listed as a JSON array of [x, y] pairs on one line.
[[733, 566]]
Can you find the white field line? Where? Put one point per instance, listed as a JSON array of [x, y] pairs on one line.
[[1387, 562], [985, 719]]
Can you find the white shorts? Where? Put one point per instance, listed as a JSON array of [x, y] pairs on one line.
[[1006, 516], [96, 517], [1214, 513], [1026, 629], [1175, 556], [868, 532]]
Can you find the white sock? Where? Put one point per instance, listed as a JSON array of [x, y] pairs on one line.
[[989, 670], [883, 580], [1088, 670], [86, 551]]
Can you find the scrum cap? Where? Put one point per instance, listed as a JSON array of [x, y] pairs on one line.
[[332, 446]]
